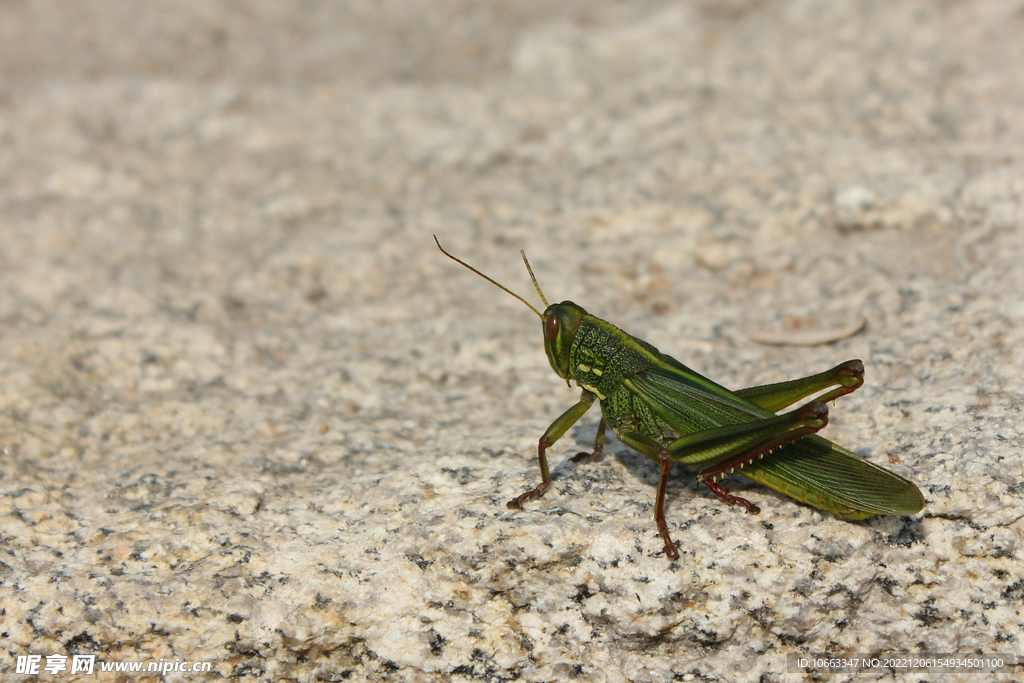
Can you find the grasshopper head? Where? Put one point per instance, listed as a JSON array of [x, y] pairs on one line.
[[560, 324]]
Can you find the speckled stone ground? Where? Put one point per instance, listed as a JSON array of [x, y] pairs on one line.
[[250, 416]]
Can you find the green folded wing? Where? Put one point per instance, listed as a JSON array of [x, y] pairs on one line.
[[689, 401], [812, 470], [818, 472]]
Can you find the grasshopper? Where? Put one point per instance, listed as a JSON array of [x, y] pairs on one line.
[[669, 413]]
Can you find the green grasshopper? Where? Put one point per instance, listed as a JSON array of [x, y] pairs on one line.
[[666, 411]]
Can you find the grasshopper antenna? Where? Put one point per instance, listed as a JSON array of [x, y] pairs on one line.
[[496, 284], [532, 277]]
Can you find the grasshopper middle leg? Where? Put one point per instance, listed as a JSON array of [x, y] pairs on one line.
[[598, 446], [671, 550]]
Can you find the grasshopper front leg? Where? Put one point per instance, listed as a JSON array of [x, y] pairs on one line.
[[559, 427]]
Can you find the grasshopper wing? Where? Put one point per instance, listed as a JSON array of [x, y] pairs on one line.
[[818, 472]]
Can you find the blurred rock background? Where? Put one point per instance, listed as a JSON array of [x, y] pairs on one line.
[[250, 416]]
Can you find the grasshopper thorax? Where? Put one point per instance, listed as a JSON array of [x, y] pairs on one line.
[[560, 324]]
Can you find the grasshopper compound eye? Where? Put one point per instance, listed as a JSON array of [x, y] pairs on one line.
[[551, 328]]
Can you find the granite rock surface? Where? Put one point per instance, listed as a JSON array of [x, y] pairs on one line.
[[251, 417]]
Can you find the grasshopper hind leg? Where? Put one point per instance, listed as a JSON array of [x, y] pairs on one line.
[[733, 446], [846, 377]]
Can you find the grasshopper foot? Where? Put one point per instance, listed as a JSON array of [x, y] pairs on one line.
[[671, 549], [598, 446], [589, 457], [517, 502], [731, 499]]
